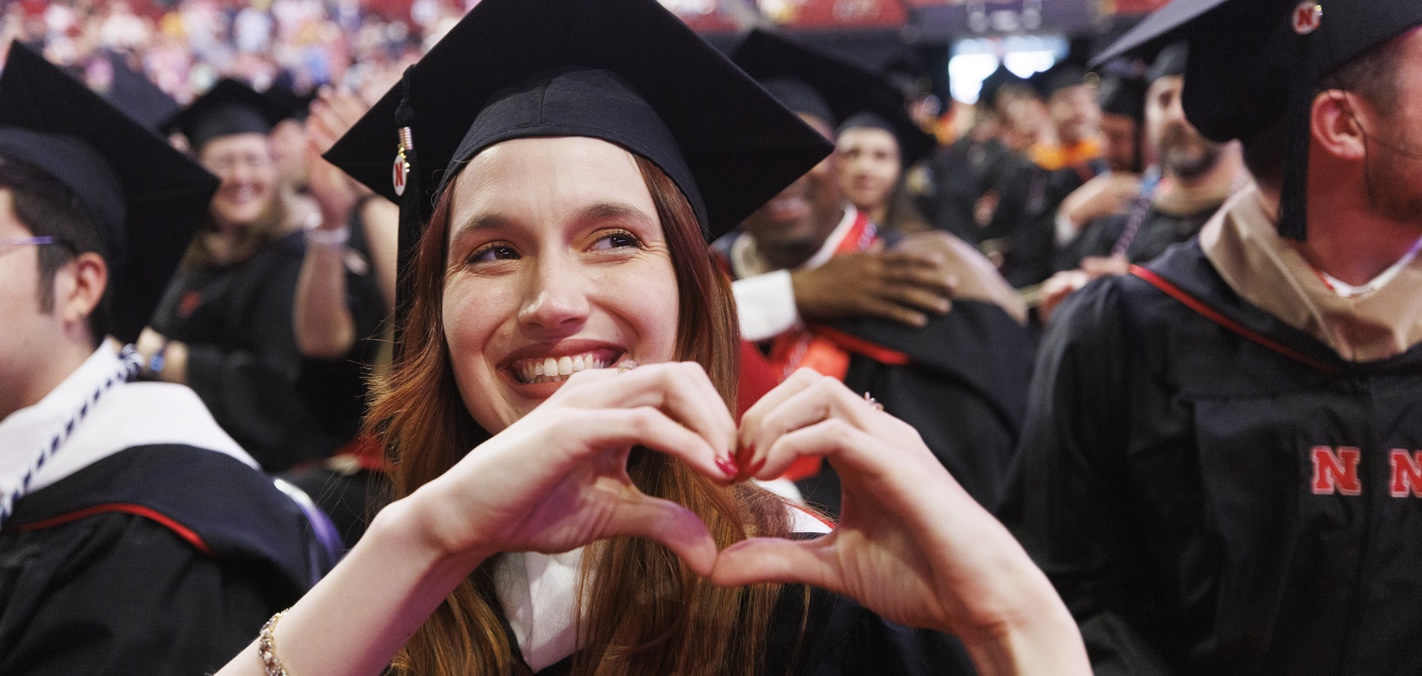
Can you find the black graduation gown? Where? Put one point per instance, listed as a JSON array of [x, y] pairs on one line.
[[1167, 485], [963, 388], [961, 174], [204, 550], [1027, 214], [1158, 230], [243, 361], [840, 637]]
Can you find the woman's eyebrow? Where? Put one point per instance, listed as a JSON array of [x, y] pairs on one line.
[[485, 221], [594, 213], [616, 211]]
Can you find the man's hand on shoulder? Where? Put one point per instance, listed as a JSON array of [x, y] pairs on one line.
[[903, 285]]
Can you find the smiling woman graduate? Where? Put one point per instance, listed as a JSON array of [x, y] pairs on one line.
[[570, 479]]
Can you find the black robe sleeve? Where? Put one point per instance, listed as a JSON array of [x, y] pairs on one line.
[[243, 362], [120, 594], [162, 559], [1066, 506], [1028, 214]]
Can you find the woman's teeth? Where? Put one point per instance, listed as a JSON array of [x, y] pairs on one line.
[[552, 370]]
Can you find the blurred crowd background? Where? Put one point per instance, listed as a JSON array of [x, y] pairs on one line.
[[185, 46]]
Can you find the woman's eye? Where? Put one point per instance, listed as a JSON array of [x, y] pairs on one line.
[[617, 240], [493, 252]]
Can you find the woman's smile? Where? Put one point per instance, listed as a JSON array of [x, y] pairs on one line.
[[537, 364]]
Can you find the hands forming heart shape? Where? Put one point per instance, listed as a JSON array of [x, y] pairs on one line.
[[911, 545]]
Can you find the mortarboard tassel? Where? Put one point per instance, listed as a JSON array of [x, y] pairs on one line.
[[409, 187], [1293, 199]]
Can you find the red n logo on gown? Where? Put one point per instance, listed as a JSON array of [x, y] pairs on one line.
[[1406, 473], [1336, 472]]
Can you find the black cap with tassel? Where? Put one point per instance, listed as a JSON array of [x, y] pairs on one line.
[[405, 178], [1293, 196], [628, 72]]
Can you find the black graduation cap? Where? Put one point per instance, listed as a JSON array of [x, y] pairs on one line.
[[148, 198], [230, 107], [1123, 95], [1252, 62], [1061, 75], [798, 75], [906, 74], [294, 105], [626, 71], [909, 153], [1170, 61], [995, 81], [133, 93]]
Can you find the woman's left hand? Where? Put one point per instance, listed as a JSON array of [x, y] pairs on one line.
[[911, 544]]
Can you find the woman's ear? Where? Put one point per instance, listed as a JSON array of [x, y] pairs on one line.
[[1335, 125], [80, 285]]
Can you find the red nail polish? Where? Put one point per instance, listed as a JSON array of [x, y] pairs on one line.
[[759, 465], [727, 466]]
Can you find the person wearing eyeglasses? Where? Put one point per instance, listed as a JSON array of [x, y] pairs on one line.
[[135, 535]]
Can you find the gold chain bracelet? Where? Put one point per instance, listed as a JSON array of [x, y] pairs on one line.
[[266, 647]]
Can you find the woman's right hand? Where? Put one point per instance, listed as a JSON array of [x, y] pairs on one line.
[[557, 478], [332, 114]]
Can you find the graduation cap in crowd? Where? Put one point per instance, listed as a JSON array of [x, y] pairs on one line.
[[1170, 61], [230, 107], [1123, 95], [808, 81], [995, 82], [147, 198], [295, 106], [1123, 87], [906, 75], [137, 96], [1252, 63], [625, 71], [875, 121], [1060, 76]]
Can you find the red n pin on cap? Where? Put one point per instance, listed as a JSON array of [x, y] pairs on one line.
[[401, 171], [1307, 17]]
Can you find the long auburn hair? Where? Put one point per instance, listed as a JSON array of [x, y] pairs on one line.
[[645, 611]]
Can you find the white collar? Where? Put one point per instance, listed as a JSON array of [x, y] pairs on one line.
[[127, 415], [747, 261], [1347, 290], [537, 593]]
